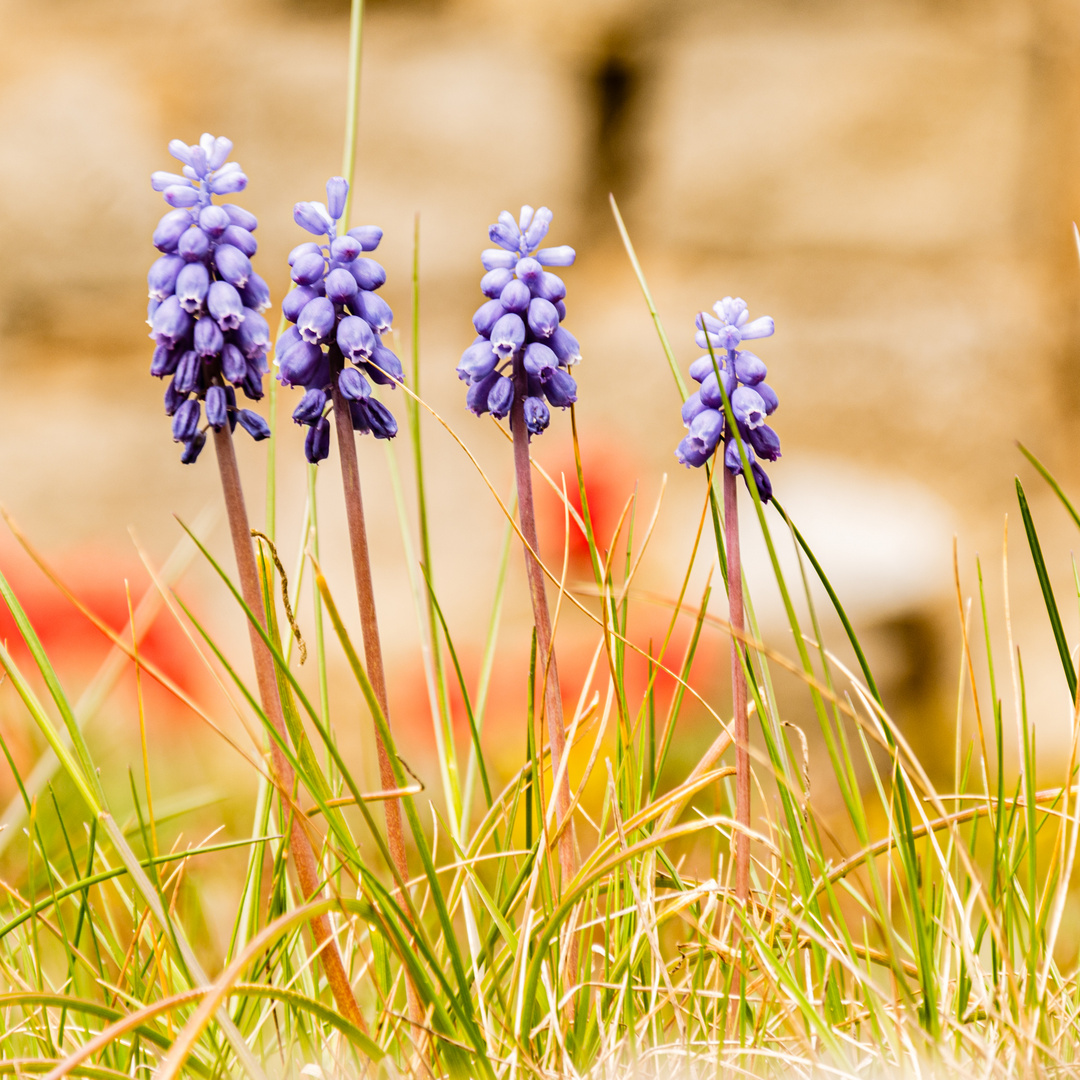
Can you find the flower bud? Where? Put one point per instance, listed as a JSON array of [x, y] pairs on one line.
[[710, 389], [692, 406], [234, 367], [186, 420], [748, 407], [208, 337], [345, 248], [187, 372], [549, 287], [287, 340], [164, 361], [170, 228], [227, 181], [296, 300], [494, 281], [505, 235], [765, 441], [181, 195], [299, 363], [239, 216], [476, 398], [161, 280], [159, 181], [310, 408], [217, 414], [749, 368], [384, 368], [253, 424], [380, 420], [566, 347], [217, 150], [317, 443], [486, 316], [193, 448], [368, 235], [232, 264], [353, 385], [337, 188], [559, 387], [508, 335], [500, 397], [253, 334], [494, 259], [537, 415], [768, 395], [478, 361], [241, 239], [355, 338], [194, 245], [192, 285], [368, 273], [539, 356], [256, 293], [313, 216], [702, 367], [213, 220], [340, 286], [316, 321], [224, 304], [515, 297], [373, 309], [556, 256], [171, 322], [308, 268]]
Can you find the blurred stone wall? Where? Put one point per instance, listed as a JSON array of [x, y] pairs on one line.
[[892, 180]]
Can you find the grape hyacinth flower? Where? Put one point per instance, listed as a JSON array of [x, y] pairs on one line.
[[519, 365], [520, 348], [733, 379], [205, 299], [752, 399], [335, 342]]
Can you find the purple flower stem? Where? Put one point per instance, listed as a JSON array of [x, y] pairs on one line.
[[303, 854], [369, 625], [738, 689], [542, 619]]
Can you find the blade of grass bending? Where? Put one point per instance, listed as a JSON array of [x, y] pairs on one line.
[[408, 804], [665, 345], [1054, 485], [1047, 591], [108, 674], [473, 729], [487, 664]]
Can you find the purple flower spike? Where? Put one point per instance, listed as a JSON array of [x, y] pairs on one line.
[[751, 399], [337, 319], [520, 323]]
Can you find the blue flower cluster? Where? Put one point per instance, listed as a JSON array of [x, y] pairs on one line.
[[205, 299], [752, 399], [337, 317], [520, 322]]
